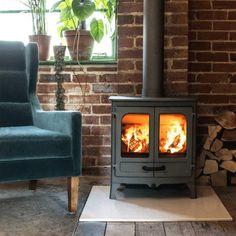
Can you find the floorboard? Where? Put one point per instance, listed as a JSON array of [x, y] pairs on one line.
[[149, 229], [208, 229], [90, 229], [118, 229], [180, 229]]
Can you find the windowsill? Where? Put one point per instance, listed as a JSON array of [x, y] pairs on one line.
[[91, 62]]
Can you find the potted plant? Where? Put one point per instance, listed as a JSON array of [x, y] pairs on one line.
[[73, 14], [38, 14]]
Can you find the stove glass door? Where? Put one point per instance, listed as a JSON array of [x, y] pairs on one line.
[[135, 135], [172, 135]]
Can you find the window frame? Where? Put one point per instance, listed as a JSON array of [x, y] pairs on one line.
[[94, 60]]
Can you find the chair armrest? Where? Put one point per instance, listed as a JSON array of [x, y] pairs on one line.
[[67, 122], [61, 121]]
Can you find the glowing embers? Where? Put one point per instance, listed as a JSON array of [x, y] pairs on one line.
[[135, 135], [172, 135]]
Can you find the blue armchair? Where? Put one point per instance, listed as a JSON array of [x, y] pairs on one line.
[[34, 143]]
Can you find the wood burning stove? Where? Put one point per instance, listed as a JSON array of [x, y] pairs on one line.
[[153, 137], [153, 141]]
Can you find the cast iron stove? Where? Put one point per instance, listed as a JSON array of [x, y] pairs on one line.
[[153, 137]]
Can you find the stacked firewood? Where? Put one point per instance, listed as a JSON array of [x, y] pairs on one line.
[[217, 161]]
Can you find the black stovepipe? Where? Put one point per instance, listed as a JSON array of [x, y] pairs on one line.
[[153, 48]]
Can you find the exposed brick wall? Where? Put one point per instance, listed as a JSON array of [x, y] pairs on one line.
[[212, 68], [88, 92]]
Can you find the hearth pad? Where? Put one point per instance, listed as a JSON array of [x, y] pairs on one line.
[[151, 205]]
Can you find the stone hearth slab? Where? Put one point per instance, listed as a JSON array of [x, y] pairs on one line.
[[171, 204]]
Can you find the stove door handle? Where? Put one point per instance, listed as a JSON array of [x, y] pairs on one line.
[[157, 168]]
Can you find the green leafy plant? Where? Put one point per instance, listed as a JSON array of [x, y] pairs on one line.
[[38, 12], [73, 13]]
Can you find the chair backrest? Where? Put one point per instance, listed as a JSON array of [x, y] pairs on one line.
[[15, 108]]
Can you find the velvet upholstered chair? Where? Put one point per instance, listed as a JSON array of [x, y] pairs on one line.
[[34, 143]]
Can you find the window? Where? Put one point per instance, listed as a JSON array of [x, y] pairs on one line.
[[16, 24]]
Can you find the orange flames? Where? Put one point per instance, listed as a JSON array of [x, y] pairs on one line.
[[135, 133], [172, 133]]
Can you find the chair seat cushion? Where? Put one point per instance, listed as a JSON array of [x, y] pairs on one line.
[[31, 141]]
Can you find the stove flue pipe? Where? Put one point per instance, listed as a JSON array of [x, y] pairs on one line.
[[153, 48]]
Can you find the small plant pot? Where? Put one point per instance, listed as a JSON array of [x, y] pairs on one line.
[[43, 42], [79, 43]]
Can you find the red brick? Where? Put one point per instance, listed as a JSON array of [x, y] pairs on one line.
[[101, 130], [200, 25], [105, 119], [124, 7], [208, 15], [139, 42], [216, 99], [198, 5], [176, 30], [176, 7], [212, 78], [138, 20], [84, 78], [199, 88], [176, 76], [212, 56], [108, 78], [199, 67], [224, 67], [125, 19], [101, 109], [125, 42], [125, 65], [130, 53], [224, 46], [224, 25], [88, 120], [215, 35], [180, 64], [179, 41], [224, 4], [179, 18], [130, 30], [176, 53], [102, 68], [224, 88]]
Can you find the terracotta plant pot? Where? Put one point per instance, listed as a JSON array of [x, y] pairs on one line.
[[43, 42], [79, 43]]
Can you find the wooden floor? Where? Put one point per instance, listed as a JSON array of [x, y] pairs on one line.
[[227, 195]]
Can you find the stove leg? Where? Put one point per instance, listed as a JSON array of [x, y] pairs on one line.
[[192, 189], [113, 190]]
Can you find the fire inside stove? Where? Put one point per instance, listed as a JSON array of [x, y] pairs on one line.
[[172, 135], [135, 135]]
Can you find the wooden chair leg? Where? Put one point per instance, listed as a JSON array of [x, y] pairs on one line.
[[33, 184], [73, 193]]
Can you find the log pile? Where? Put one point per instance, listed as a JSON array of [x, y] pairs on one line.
[[217, 161]]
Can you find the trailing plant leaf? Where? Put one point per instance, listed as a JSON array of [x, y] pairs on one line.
[[97, 29], [83, 9]]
